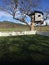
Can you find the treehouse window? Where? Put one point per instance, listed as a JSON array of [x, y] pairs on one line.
[[39, 15]]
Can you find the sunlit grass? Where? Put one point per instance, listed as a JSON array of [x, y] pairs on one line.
[[25, 28], [42, 28]]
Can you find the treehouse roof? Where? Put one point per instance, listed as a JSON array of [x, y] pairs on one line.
[[33, 13]]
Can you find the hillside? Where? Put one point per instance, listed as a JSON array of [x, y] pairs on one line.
[[10, 26]]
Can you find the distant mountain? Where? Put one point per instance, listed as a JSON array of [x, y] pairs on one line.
[[8, 24]]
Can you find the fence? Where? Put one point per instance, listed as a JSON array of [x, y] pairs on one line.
[[17, 33], [42, 33], [24, 33]]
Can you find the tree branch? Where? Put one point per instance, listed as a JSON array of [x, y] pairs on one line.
[[21, 20]]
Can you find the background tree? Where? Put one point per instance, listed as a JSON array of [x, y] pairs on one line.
[[24, 6], [46, 16]]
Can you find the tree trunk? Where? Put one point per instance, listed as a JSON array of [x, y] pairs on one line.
[[32, 23], [32, 26]]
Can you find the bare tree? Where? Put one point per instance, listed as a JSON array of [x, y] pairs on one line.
[[25, 7], [46, 13]]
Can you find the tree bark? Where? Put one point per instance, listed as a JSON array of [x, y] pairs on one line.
[[32, 23], [32, 26]]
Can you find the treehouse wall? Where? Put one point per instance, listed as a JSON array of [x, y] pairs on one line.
[[38, 17]]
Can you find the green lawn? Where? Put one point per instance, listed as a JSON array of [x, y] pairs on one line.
[[32, 47]]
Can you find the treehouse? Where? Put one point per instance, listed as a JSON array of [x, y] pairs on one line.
[[37, 17]]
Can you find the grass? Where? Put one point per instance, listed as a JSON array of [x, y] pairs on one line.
[[24, 28], [14, 29], [42, 28], [32, 48]]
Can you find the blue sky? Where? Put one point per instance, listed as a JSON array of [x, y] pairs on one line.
[[45, 4], [4, 16]]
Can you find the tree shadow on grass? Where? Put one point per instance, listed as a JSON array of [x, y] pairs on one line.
[[23, 49]]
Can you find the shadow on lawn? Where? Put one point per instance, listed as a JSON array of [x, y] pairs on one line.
[[23, 50]]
